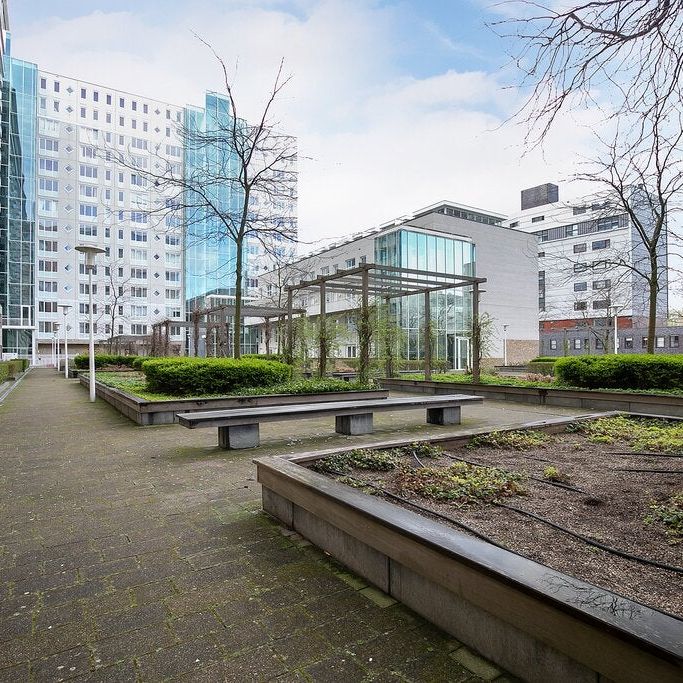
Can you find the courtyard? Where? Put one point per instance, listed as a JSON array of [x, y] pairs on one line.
[[134, 553]]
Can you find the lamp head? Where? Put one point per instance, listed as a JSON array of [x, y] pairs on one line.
[[90, 251]]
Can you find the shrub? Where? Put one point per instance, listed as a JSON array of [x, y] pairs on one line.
[[542, 367], [9, 369], [81, 361], [545, 359], [265, 356], [196, 376], [632, 371]]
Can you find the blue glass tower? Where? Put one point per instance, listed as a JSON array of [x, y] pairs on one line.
[[210, 163], [18, 203]]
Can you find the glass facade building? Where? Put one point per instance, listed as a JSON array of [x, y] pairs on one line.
[[209, 162], [18, 204], [451, 310]]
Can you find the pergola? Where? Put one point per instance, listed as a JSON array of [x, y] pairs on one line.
[[161, 329], [386, 282]]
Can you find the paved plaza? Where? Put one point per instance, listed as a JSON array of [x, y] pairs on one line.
[[134, 553]]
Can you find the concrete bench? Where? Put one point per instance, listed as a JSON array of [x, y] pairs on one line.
[[239, 428]]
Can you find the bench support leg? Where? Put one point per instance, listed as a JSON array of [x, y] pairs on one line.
[[354, 424], [240, 436], [443, 416]]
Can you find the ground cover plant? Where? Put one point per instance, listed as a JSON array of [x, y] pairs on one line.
[[134, 383], [601, 500], [82, 360]]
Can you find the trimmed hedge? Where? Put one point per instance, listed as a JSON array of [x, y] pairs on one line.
[[9, 369], [628, 371], [545, 359], [541, 367], [81, 361], [265, 356], [191, 376]]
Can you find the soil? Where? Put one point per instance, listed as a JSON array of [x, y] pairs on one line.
[[609, 507]]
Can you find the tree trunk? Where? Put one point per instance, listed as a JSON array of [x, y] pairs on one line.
[[237, 320], [652, 282]]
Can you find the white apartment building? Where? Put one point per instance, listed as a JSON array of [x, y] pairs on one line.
[[581, 244], [448, 238]]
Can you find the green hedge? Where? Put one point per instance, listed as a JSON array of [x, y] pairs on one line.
[[628, 371], [189, 376], [545, 359], [265, 356], [101, 359], [541, 367], [9, 369]]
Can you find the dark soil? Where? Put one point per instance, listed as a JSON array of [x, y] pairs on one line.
[[610, 508]]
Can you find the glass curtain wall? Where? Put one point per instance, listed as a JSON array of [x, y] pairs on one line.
[[210, 163], [451, 310], [17, 204]]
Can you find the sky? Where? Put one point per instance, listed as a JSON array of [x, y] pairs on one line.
[[396, 104]]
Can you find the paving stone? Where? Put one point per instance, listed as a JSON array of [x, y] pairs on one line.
[[15, 626], [339, 668], [13, 674], [301, 648], [285, 621], [59, 596], [123, 672], [62, 666], [131, 644], [154, 591], [130, 619], [189, 656], [476, 664], [260, 664], [244, 636], [195, 624]]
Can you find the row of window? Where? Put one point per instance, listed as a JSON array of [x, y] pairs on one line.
[[585, 228], [579, 344], [598, 304], [598, 244], [138, 329], [51, 286], [597, 284]]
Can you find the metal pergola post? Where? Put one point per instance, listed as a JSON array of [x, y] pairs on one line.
[[289, 351], [476, 334], [322, 339], [364, 331], [427, 337]]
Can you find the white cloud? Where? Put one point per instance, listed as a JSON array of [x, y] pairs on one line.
[[375, 142]]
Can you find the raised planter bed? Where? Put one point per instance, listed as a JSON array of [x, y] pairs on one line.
[[584, 399], [538, 623], [165, 412]]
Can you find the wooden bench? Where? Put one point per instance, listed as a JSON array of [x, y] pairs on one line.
[[239, 428]]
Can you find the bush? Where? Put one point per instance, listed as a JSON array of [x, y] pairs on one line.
[[278, 358], [197, 376], [545, 359], [81, 361], [541, 367], [632, 371], [9, 369]]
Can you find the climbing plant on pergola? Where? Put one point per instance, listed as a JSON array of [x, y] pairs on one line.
[[385, 282]]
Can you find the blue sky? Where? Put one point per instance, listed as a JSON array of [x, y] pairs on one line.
[[396, 104]]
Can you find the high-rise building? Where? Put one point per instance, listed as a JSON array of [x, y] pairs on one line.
[[64, 182], [591, 263]]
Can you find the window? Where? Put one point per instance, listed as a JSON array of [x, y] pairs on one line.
[[600, 244], [173, 260], [553, 344], [82, 271], [659, 342], [45, 326], [628, 342], [168, 113], [173, 240], [172, 276], [580, 267], [599, 265], [84, 309], [138, 273], [87, 210], [88, 152], [580, 286], [643, 342], [87, 230], [139, 143], [138, 236], [172, 312], [579, 210], [47, 205], [173, 294], [602, 284], [48, 165], [47, 307], [45, 266], [47, 225], [138, 311], [43, 83], [95, 96], [47, 245], [537, 219], [48, 145], [598, 344], [137, 328], [138, 217], [47, 286], [577, 344], [42, 102], [137, 179], [107, 118], [84, 328], [84, 288], [514, 224], [48, 185], [82, 112], [600, 304], [138, 292], [122, 121], [351, 351], [173, 150], [133, 123], [580, 248], [89, 191], [56, 86], [580, 305], [138, 255], [108, 99], [122, 102]]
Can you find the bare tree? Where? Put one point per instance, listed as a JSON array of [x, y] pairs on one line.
[[111, 298], [240, 184], [629, 50]]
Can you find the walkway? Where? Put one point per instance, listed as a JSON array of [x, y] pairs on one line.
[[139, 553]]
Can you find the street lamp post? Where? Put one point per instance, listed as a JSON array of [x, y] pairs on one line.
[[65, 310], [505, 344], [55, 327], [90, 253]]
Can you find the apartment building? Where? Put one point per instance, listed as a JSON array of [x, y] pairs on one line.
[[75, 170], [586, 248], [443, 238]]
